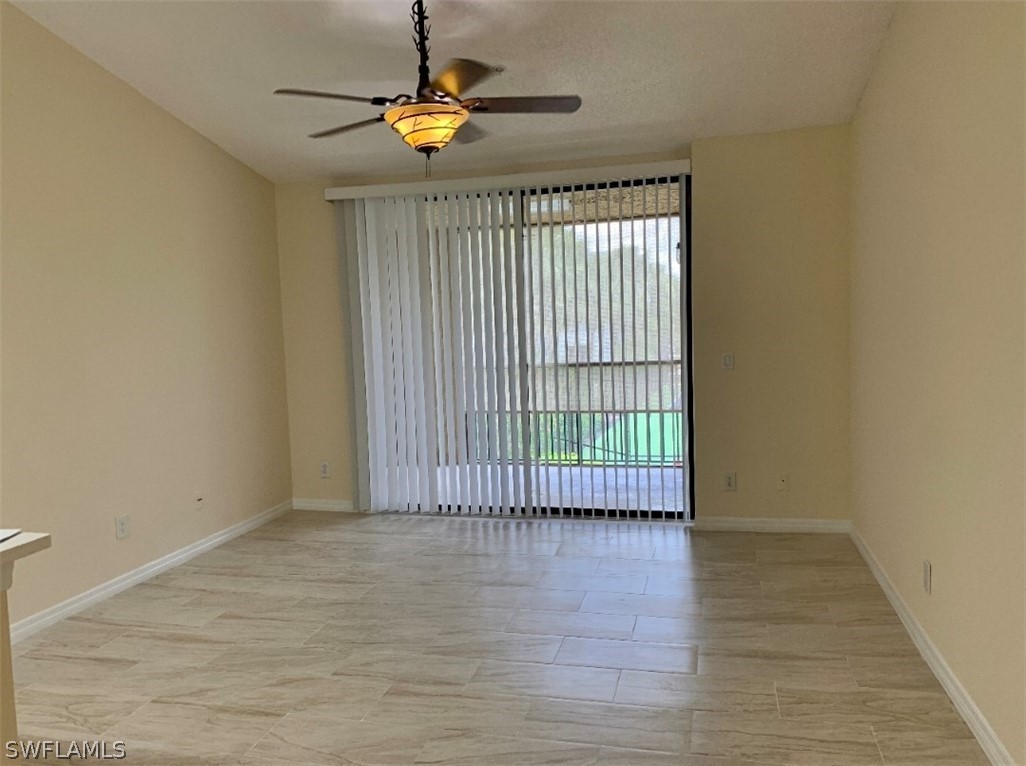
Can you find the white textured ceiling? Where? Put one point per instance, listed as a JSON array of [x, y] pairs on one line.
[[653, 75]]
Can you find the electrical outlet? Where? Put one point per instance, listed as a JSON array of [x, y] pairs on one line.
[[121, 527], [783, 482], [927, 577], [325, 469], [728, 361], [729, 482]]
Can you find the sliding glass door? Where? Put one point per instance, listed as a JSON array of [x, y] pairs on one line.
[[607, 340], [523, 350]]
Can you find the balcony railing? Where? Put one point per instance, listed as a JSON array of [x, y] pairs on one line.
[[650, 438]]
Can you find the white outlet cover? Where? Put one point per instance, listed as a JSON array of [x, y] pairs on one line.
[[730, 482]]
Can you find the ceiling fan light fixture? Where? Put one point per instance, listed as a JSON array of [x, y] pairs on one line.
[[426, 126]]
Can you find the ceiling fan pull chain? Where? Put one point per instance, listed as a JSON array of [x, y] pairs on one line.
[[427, 166]]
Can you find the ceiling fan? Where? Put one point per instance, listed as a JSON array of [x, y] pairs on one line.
[[438, 112]]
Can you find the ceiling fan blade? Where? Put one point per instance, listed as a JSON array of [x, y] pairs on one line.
[[469, 133], [460, 75], [524, 104], [346, 128], [377, 100]]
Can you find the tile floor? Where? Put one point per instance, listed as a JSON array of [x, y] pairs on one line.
[[347, 639]]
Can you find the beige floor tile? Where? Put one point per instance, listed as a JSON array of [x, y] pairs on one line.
[[823, 591], [696, 588], [523, 597], [871, 706], [520, 647], [411, 667], [233, 729], [612, 549], [343, 697], [428, 595], [70, 636], [720, 633], [600, 723], [793, 742], [615, 756], [581, 624], [912, 745], [628, 655], [595, 582], [723, 694], [863, 613], [394, 632], [901, 672], [506, 562], [160, 646], [295, 660], [474, 749], [868, 640], [155, 679], [629, 603], [525, 678], [524, 546], [810, 553], [325, 740], [241, 629], [797, 574], [64, 669], [805, 670], [140, 614], [438, 707], [761, 610], [50, 712], [147, 754], [649, 567], [254, 604]]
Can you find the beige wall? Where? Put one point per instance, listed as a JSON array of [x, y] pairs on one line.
[[938, 344], [316, 348], [142, 339], [770, 285]]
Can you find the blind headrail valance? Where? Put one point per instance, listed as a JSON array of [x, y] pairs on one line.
[[557, 178]]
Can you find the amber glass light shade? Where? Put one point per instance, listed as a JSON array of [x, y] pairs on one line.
[[427, 127]]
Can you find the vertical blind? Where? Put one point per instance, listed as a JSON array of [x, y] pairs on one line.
[[519, 351]]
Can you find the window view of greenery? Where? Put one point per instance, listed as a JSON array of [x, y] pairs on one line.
[[604, 332], [605, 329]]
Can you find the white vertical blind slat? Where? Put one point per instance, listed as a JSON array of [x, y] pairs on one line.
[[407, 427], [555, 418], [424, 356], [382, 363], [395, 405], [566, 412], [466, 428], [475, 265], [635, 378], [496, 311], [517, 259], [450, 468]]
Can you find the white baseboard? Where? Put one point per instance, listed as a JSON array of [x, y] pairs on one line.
[[964, 704], [36, 622], [739, 524], [314, 504]]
